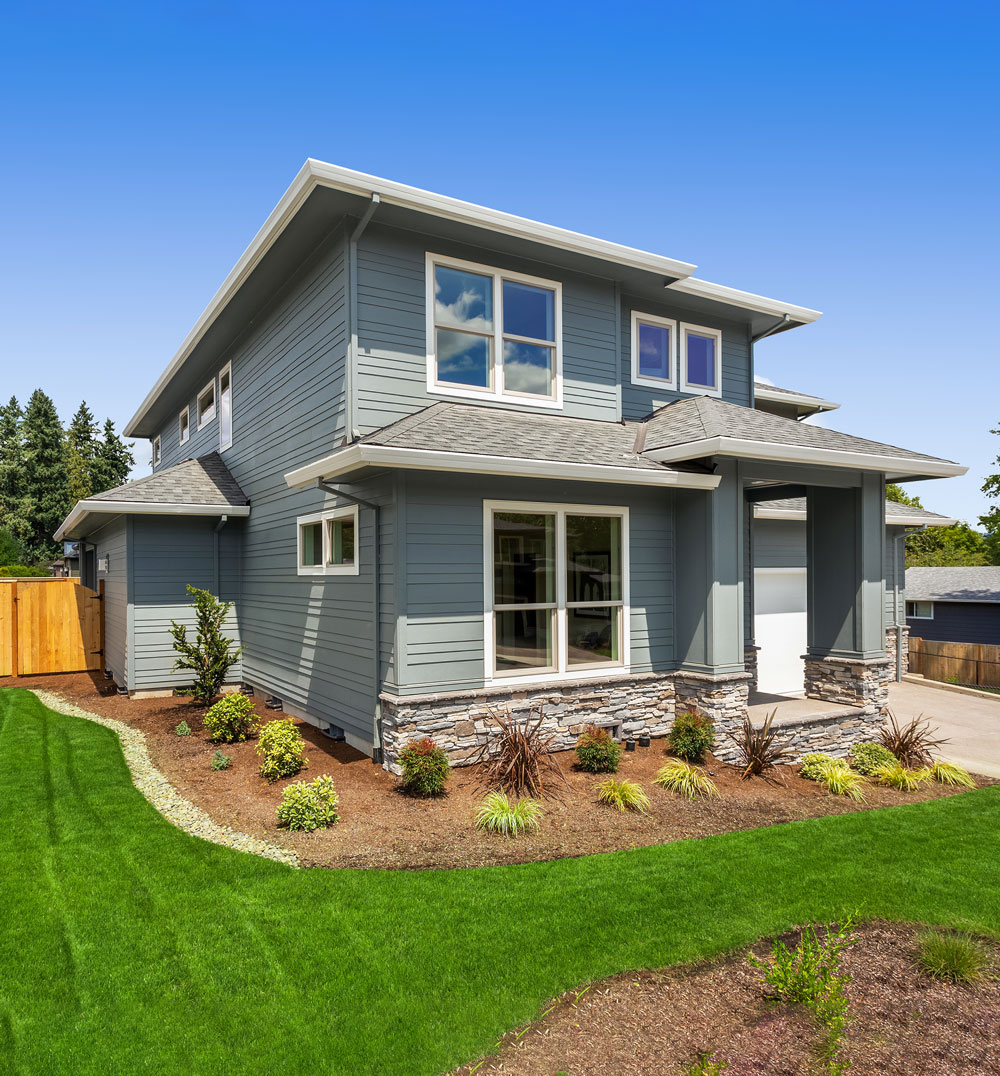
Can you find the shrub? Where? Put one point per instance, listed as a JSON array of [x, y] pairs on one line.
[[309, 805], [950, 774], [706, 1063], [840, 780], [425, 767], [597, 752], [498, 815], [231, 720], [812, 765], [897, 776], [11, 571], [691, 735], [182, 729], [867, 757], [520, 757], [211, 655], [912, 743], [280, 746], [221, 761], [680, 776], [759, 749], [623, 795], [950, 955]]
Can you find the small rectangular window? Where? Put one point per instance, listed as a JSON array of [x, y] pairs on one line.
[[340, 541], [654, 351], [920, 610], [156, 451], [328, 542], [701, 360], [206, 404], [184, 425], [226, 407]]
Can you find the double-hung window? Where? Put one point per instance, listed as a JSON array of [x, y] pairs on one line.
[[701, 360], [493, 334], [328, 542], [556, 589], [654, 351]]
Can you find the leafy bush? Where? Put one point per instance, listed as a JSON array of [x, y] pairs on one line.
[[840, 780], [680, 776], [950, 774], [623, 795], [211, 655], [867, 757], [498, 815], [280, 746], [597, 752], [759, 749], [425, 767], [691, 735], [706, 1064], [221, 761], [231, 720], [912, 743], [309, 805], [519, 758], [950, 955], [898, 777], [18, 571], [812, 765], [182, 729]]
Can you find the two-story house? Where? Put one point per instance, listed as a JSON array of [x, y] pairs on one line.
[[443, 458]]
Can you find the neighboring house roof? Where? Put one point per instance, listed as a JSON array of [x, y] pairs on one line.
[[896, 514], [193, 487], [802, 401], [953, 584]]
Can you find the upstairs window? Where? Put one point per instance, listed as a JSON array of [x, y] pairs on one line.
[[493, 334], [920, 610], [654, 351], [184, 425], [328, 542], [206, 404], [156, 452], [701, 360], [226, 407]]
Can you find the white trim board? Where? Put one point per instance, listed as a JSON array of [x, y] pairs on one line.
[[773, 395], [85, 508], [892, 519]]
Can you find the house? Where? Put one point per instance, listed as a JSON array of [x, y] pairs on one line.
[[443, 458], [954, 605]]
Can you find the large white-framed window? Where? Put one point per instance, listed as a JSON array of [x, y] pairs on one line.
[[206, 404], [920, 610], [184, 426], [156, 452], [492, 334], [226, 406], [556, 590], [654, 351], [701, 360], [328, 542]]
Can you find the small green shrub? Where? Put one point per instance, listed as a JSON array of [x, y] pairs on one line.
[[280, 746], [951, 955], [623, 795], [210, 655], [691, 735], [183, 729], [812, 765], [221, 761], [597, 752], [231, 720], [706, 1064], [896, 776], [497, 814], [867, 757], [842, 781], [947, 773], [425, 768], [309, 805], [680, 776]]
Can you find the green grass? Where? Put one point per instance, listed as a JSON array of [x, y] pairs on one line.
[[128, 947]]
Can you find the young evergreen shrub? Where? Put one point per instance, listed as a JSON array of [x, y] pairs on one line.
[[231, 720], [221, 761], [182, 729], [691, 735], [814, 765], [597, 752], [309, 805], [210, 655], [867, 757], [280, 745], [425, 768]]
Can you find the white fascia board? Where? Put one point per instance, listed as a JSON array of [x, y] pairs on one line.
[[82, 509], [763, 392], [891, 466], [355, 456], [705, 289], [892, 519]]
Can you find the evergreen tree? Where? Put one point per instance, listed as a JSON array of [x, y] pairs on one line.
[[82, 446], [991, 521], [11, 469], [46, 488], [114, 461]]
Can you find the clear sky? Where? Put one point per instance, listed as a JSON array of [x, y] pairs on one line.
[[840, 156]]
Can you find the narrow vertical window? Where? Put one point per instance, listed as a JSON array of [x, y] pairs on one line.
[[593, 589], [156, 452], [524, 591], [701, 360], [226, 407], [206, 404], [184, 426]]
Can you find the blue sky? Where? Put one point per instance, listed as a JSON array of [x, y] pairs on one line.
[[843, 157]]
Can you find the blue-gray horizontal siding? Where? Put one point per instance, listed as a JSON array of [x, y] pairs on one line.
[[111, 542], [441, 602], [960, 622]]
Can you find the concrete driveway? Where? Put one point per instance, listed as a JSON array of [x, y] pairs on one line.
[[972, 724]]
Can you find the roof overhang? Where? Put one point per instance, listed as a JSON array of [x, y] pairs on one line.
[[893, 467], [892, 519], [355, 457], [72, 525], [794, 399]]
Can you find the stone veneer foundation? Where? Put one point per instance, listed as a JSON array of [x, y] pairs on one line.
[[890, 649], [862, 683]]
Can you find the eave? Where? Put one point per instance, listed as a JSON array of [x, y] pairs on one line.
[[82, 510]]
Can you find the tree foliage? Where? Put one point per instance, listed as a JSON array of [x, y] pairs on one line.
[[114, 460], [210, 655], [46, 484], [82, 445], [11, 470], [956, 546]]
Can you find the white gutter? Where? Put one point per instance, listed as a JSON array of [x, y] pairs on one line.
[[891, 466], [761, 511], [85, 508], [356, 456], [763, 392], [747, 300]]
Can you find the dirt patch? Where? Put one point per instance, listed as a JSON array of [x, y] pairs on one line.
[[904, 1023], [381, 827]]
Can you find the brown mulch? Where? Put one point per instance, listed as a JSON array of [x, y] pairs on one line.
[[381, 827], [903, 1023]]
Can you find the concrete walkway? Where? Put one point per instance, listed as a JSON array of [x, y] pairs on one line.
[[971, 724]]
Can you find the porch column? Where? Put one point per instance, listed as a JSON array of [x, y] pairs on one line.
[[709, 567], [845, 541]]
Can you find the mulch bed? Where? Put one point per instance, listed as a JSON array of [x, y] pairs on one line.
[[904, 1023], [382, 827]]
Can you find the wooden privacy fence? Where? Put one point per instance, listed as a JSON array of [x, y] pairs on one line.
[[975, 664], [50, 626]]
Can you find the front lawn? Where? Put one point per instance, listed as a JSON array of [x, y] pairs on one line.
[[128, 946]]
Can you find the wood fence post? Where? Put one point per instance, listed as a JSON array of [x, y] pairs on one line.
[[100, 627], [13, 631], [979, 664]]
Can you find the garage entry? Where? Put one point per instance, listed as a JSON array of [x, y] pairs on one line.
[[780, 629]]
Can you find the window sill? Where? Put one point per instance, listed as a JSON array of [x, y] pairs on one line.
[[494, 397]]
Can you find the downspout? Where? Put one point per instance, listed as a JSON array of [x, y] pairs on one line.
[[351, 403], [377, 744], [215, 553], [785, 319], [898, 626]]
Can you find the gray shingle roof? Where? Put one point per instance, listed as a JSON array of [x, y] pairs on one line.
[[953, 584], [894, 511], [787, 392], [206, 480]]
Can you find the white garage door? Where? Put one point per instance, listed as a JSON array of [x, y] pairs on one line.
[[780, 628]]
